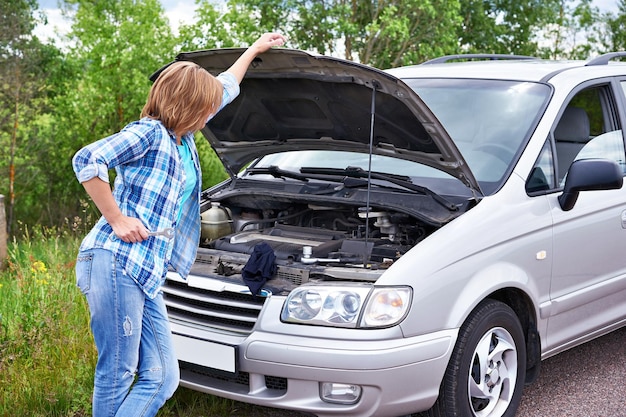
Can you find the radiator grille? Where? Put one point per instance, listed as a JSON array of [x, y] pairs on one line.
[[229, 311]]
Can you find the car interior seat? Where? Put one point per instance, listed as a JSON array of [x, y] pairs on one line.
[[570, 135]]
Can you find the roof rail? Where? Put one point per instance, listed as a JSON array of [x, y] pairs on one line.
[[471, 57], [605, 58]]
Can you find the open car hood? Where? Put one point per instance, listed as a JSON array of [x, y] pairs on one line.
[[294, 100]]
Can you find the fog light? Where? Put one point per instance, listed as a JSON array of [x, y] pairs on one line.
[[335, 393]]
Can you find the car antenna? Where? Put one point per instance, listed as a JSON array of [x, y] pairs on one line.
[[366, 255]]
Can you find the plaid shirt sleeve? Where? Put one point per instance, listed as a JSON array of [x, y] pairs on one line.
[[97, 158], [231, 88]]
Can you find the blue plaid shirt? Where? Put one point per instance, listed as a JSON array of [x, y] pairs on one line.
[[149, 186]]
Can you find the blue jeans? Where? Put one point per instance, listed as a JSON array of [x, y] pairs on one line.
[[137, 370]]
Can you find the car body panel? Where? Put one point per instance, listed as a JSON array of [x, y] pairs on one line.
[[587, 295], [482, 265]]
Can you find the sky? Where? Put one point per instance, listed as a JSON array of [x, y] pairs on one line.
[[178, 11]]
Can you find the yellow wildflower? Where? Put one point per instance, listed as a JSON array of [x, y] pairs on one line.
[[38, 266]]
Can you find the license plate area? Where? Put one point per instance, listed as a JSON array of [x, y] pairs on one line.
[[206, 353]]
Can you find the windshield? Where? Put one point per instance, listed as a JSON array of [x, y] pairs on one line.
[[488, 120]]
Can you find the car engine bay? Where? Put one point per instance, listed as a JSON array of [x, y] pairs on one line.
[[318, 239]]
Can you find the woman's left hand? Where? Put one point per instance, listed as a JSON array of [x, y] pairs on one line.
[[264, 43], [268, 40]]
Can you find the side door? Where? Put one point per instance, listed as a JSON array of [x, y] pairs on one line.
[[588, 286]]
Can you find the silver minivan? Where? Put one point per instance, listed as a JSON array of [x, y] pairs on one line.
[[409, 240]]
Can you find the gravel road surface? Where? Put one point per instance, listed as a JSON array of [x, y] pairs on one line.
[[587, 381]]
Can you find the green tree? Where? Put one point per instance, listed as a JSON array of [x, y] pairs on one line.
[[24, 64], [380, 33], [505, 26], [394, 33], [574, 33], [118, 43], [612, 34], [208, 31]]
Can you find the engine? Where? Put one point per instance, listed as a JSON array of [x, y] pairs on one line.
[[311, 233]]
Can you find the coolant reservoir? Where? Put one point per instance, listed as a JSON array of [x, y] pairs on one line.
[[216, 222]]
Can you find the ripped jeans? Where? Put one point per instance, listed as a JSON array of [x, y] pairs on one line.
[[137, 370]]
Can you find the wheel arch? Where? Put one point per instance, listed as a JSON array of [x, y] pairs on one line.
[[498, 308], [524, 309]]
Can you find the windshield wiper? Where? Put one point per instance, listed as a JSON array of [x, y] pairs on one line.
[[400, 180], [276, 172]]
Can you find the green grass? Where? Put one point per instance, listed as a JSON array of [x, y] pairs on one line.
[[47, 354]]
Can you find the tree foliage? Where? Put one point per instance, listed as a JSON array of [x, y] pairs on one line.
[[383, 33], [54, 99], [504, 26], [24, 63], [613, 37], [117, 44]]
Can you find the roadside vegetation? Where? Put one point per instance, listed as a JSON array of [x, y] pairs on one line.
[[46, 355]]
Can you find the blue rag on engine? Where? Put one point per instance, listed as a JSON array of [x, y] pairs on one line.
[[260, 267]]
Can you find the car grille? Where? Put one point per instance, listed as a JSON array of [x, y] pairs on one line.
[[227, 311]]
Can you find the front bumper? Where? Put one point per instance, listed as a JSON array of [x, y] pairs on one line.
[[397, 376]]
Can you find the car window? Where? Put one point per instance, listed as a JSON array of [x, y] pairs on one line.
[[608, 145], [542, 177], [588, 128]]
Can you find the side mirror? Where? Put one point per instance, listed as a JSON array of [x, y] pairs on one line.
[[588, 175]]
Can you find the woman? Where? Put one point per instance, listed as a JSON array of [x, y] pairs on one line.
[[121, 266]]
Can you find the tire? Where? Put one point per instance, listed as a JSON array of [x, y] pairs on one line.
[[485, 375]]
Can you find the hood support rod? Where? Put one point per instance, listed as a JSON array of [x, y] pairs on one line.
[[375, 86]]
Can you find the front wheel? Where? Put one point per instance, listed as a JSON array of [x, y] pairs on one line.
[[485, 376]]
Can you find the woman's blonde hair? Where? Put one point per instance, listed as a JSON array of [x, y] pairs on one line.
[[182, 96]]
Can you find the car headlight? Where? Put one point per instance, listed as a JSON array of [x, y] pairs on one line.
[[347, 306]]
